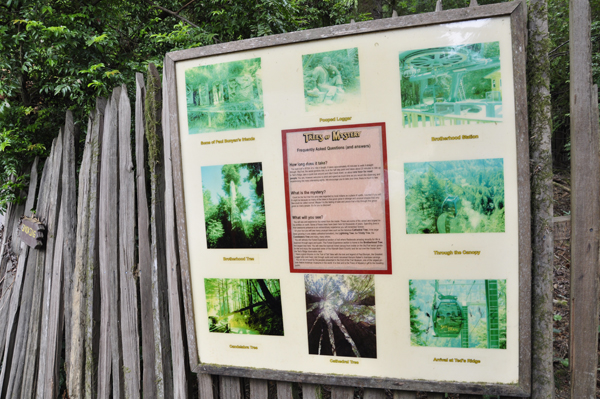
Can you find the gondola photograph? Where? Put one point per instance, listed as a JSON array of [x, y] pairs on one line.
[[458, 313]]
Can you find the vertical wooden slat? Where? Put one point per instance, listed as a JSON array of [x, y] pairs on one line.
[[91, 259], [311, 391], [585, 222], [405, 395], [145, 258], [75, 375], [51, 229], [69, 196], [64, 245], [127, 264], [176, 323], [32, 351], [8, 365], [339, 392], [48, 386], [205, 386], [8, 266], [435, 395], [374, 393], [110, 362], [160, 294], [230, 388], [284, 390], [259, 389], [13, 388]]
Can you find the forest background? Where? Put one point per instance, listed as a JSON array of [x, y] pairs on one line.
[[57, 55]]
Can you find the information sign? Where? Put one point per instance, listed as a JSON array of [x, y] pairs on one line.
[[355, 203]]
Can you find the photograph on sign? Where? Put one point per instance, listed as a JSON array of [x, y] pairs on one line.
[[234, 206], [340, 315], [332, 77], [455, 196], [244, 306], [453, 85], [312, 179], [336, 190], [226, 96], [458, 313]]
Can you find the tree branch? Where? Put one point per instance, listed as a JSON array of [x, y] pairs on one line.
[[185, 6], [180, 17], [173, 14]]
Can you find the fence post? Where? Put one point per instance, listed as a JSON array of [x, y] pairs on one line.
[[585, 178]]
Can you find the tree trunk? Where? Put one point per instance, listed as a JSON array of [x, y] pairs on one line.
[[541, 207]]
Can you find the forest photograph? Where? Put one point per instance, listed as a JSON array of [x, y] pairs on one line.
[[458, 313], [454, 196], [234, 206], [459, 84], [332, 77], [244, 306], [340, 315], [226, 96]]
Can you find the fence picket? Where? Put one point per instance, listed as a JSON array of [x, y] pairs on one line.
[[10, 347], [127, 264], [339, 392], [160, 301], [69, 198], [52, 225], [91, 257], [176, 323], [259, 389], [109, 362], [405, 395], [34, 330], [284, 390], [230, 387]]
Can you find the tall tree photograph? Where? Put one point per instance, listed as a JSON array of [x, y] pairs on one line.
[[458, 313], [244, 306], [454, 196], [234, 206], [340, 315]]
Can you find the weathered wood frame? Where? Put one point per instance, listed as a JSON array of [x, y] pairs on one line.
[[517, 13]]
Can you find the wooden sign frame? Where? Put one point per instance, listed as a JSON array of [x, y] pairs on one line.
[[513, 12]]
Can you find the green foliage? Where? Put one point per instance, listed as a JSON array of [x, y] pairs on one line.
[[455, 196], [244, 306]]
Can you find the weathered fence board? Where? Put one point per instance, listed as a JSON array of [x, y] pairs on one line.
[[91, 259], [52, 229], [585, 207], [75, 375], [230, 387], [205, 387], [339, 392], [405, 395], [127, 264], [145, 258], [160, 296], [176, 322], [69, 197], [259, 389], [311, 391], [33, 332], [109, 362], [11, 350]]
